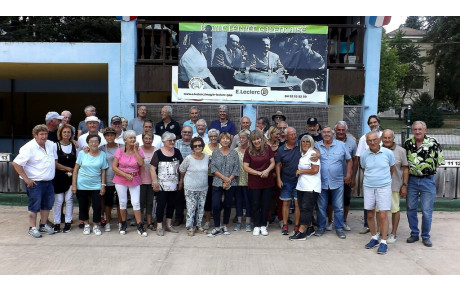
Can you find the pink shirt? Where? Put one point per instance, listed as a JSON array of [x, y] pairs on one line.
[[128, 164], [145, 170]]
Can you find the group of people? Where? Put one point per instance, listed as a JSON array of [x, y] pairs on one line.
[[165, 169]]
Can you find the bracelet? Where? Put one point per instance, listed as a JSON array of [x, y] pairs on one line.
[[103, 185], [404, 184]]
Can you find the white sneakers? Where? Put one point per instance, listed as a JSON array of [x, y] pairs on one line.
[[87, 229], [263, 230], [97, 230], [256, 231], [107, 227], [392, 238]]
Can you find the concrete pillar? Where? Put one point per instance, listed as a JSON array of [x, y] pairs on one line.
[[250, 111], [335, 113]]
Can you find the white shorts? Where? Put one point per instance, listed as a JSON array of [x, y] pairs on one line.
[[380, 197]]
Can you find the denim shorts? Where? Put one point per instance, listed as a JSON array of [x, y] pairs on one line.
[[288, 191], [41, 196]]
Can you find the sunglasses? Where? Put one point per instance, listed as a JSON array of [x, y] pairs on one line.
[[197, 146]]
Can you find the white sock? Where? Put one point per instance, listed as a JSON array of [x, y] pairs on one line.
[[376, 236], [383, 241]]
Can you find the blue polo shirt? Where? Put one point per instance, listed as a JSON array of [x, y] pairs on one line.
[[289, 159], [350, 142], [332, 160], [377, 167], [228, 127]]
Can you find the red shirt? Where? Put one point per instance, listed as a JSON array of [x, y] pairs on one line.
[[260, 163]]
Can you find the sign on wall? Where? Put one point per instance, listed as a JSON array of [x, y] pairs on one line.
[[249, 62]]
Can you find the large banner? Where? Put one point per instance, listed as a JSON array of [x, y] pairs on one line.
[[251, 62]]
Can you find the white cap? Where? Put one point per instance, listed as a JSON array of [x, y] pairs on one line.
[[92, 118]]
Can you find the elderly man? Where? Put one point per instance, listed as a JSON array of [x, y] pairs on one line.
[[137, 123], [148, 126], [90, 110], [287, 161], [282, 126], [424, 155], [334, 153], [245, 125], [201, 130], [36, 164], [306, 61], [223, 124], [313, 129], [399, 179], [92, 123], [377, 163], [227, 61], [167, 123], [52, 120], [194, 114], [116, 123], [185, 149], [374, 124], [265, 60], [277, 117]]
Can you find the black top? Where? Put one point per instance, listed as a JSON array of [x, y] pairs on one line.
[[172, 127], [61, 181]]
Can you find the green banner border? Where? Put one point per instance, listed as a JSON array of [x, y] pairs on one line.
[[254, 28]]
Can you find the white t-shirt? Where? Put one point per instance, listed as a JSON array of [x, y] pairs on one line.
[[308, 182], [157, 143]]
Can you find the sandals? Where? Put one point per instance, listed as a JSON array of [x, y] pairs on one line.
[[151, 227], [191, 231]]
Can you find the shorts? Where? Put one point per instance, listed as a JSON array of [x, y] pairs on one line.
[[288, 192], [41, 196], [394, 203], [377, 197]]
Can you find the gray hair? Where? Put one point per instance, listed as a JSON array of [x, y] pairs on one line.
[[392, 132], [372, 132], [244, 132], [168, 109], [341, 122], [168, 135], [326, 126], [224, 107], [309, 138], [423, 124], [201, 120], [213, 130], [194, 107], [66, 111], [87, 108], [128, 134]]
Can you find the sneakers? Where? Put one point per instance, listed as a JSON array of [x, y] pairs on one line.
[[67, 227], [57, 227], [346, 226], [107, 227], [191, 231], [329, 225], [263, 230], [87, 229], [412, 239], [372, 244], [160, 232], [171, 229], [392, 238], [299, 236], [364, 230], [141, 230], [340, 233], [296, 229], [320, 231], [256, 231], [310, 231], [225, 230], [46, 228], [123, 227], [248, 227], [237, 226], [206, 225], [281, 223], [97, 230], [103, 221], [285, 230], [82, 224], [382, 250], [33, 232], [215, 232]]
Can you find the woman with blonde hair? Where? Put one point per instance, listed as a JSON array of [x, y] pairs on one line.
[[242, 188], [213, 135]]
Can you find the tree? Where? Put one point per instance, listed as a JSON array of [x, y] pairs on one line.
[[425, 108], [391, 72], [444, 33], [414, 22]]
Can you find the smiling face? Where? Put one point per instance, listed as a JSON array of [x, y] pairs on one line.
[[225, 141], [243, 139], [41, 138], [200, 128], [373, 141], [130, 140], [147, 140], [260, 124], [67, 117], [327, 134], [222, 114], [194, 115], [66, 134], [164, 113], [257, 143], [92, 126], [340, 132], [148, 126], [110, 138], [305, 143], [197, 147], [245, 123], [419, 131], [387, 138], [374, 124], [275, 135], [93, 143], [213, 138], [186, 133]]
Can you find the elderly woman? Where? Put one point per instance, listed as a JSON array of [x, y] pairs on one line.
[[242, 188], [147, 194], [109, 149], [88, 182], [308, 187], [164, 170], [213, 135], [194, 179], [225, 168], [259, 162], [124, 124], [126, 164], [62, 182]]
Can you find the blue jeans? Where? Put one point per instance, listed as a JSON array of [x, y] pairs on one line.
[[241, 195], [425, 188], [337, 204]]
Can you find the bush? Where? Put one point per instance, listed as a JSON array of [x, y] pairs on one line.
[[425, 108]]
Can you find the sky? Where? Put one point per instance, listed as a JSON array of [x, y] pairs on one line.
[[395, 22]]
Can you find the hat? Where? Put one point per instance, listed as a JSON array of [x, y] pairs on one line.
[[92, 118], [312, 121], [279, 113], [109, 130], [115, 118], [52, 115]]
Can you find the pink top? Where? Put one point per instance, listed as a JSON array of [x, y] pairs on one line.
[[145, 170], [128, 164]]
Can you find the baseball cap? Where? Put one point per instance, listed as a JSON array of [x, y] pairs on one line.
[[52, 115], [92, 118], [115, 118], [312, 120]]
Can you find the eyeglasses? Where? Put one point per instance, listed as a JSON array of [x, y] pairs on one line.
[[305, 141], [187, 132], [197, 146], [213, 136], [93, 142], [170, 140]]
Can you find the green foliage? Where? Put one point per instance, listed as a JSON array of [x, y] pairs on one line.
[[414, 22], [425, 108], [444, 33], [391, 72], [60, 29]]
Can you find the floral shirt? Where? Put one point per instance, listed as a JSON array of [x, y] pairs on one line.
[[424, 160]]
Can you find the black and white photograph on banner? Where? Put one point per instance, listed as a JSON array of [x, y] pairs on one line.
[[246, 62]]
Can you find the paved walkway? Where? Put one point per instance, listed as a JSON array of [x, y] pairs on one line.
[[240, 253]]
